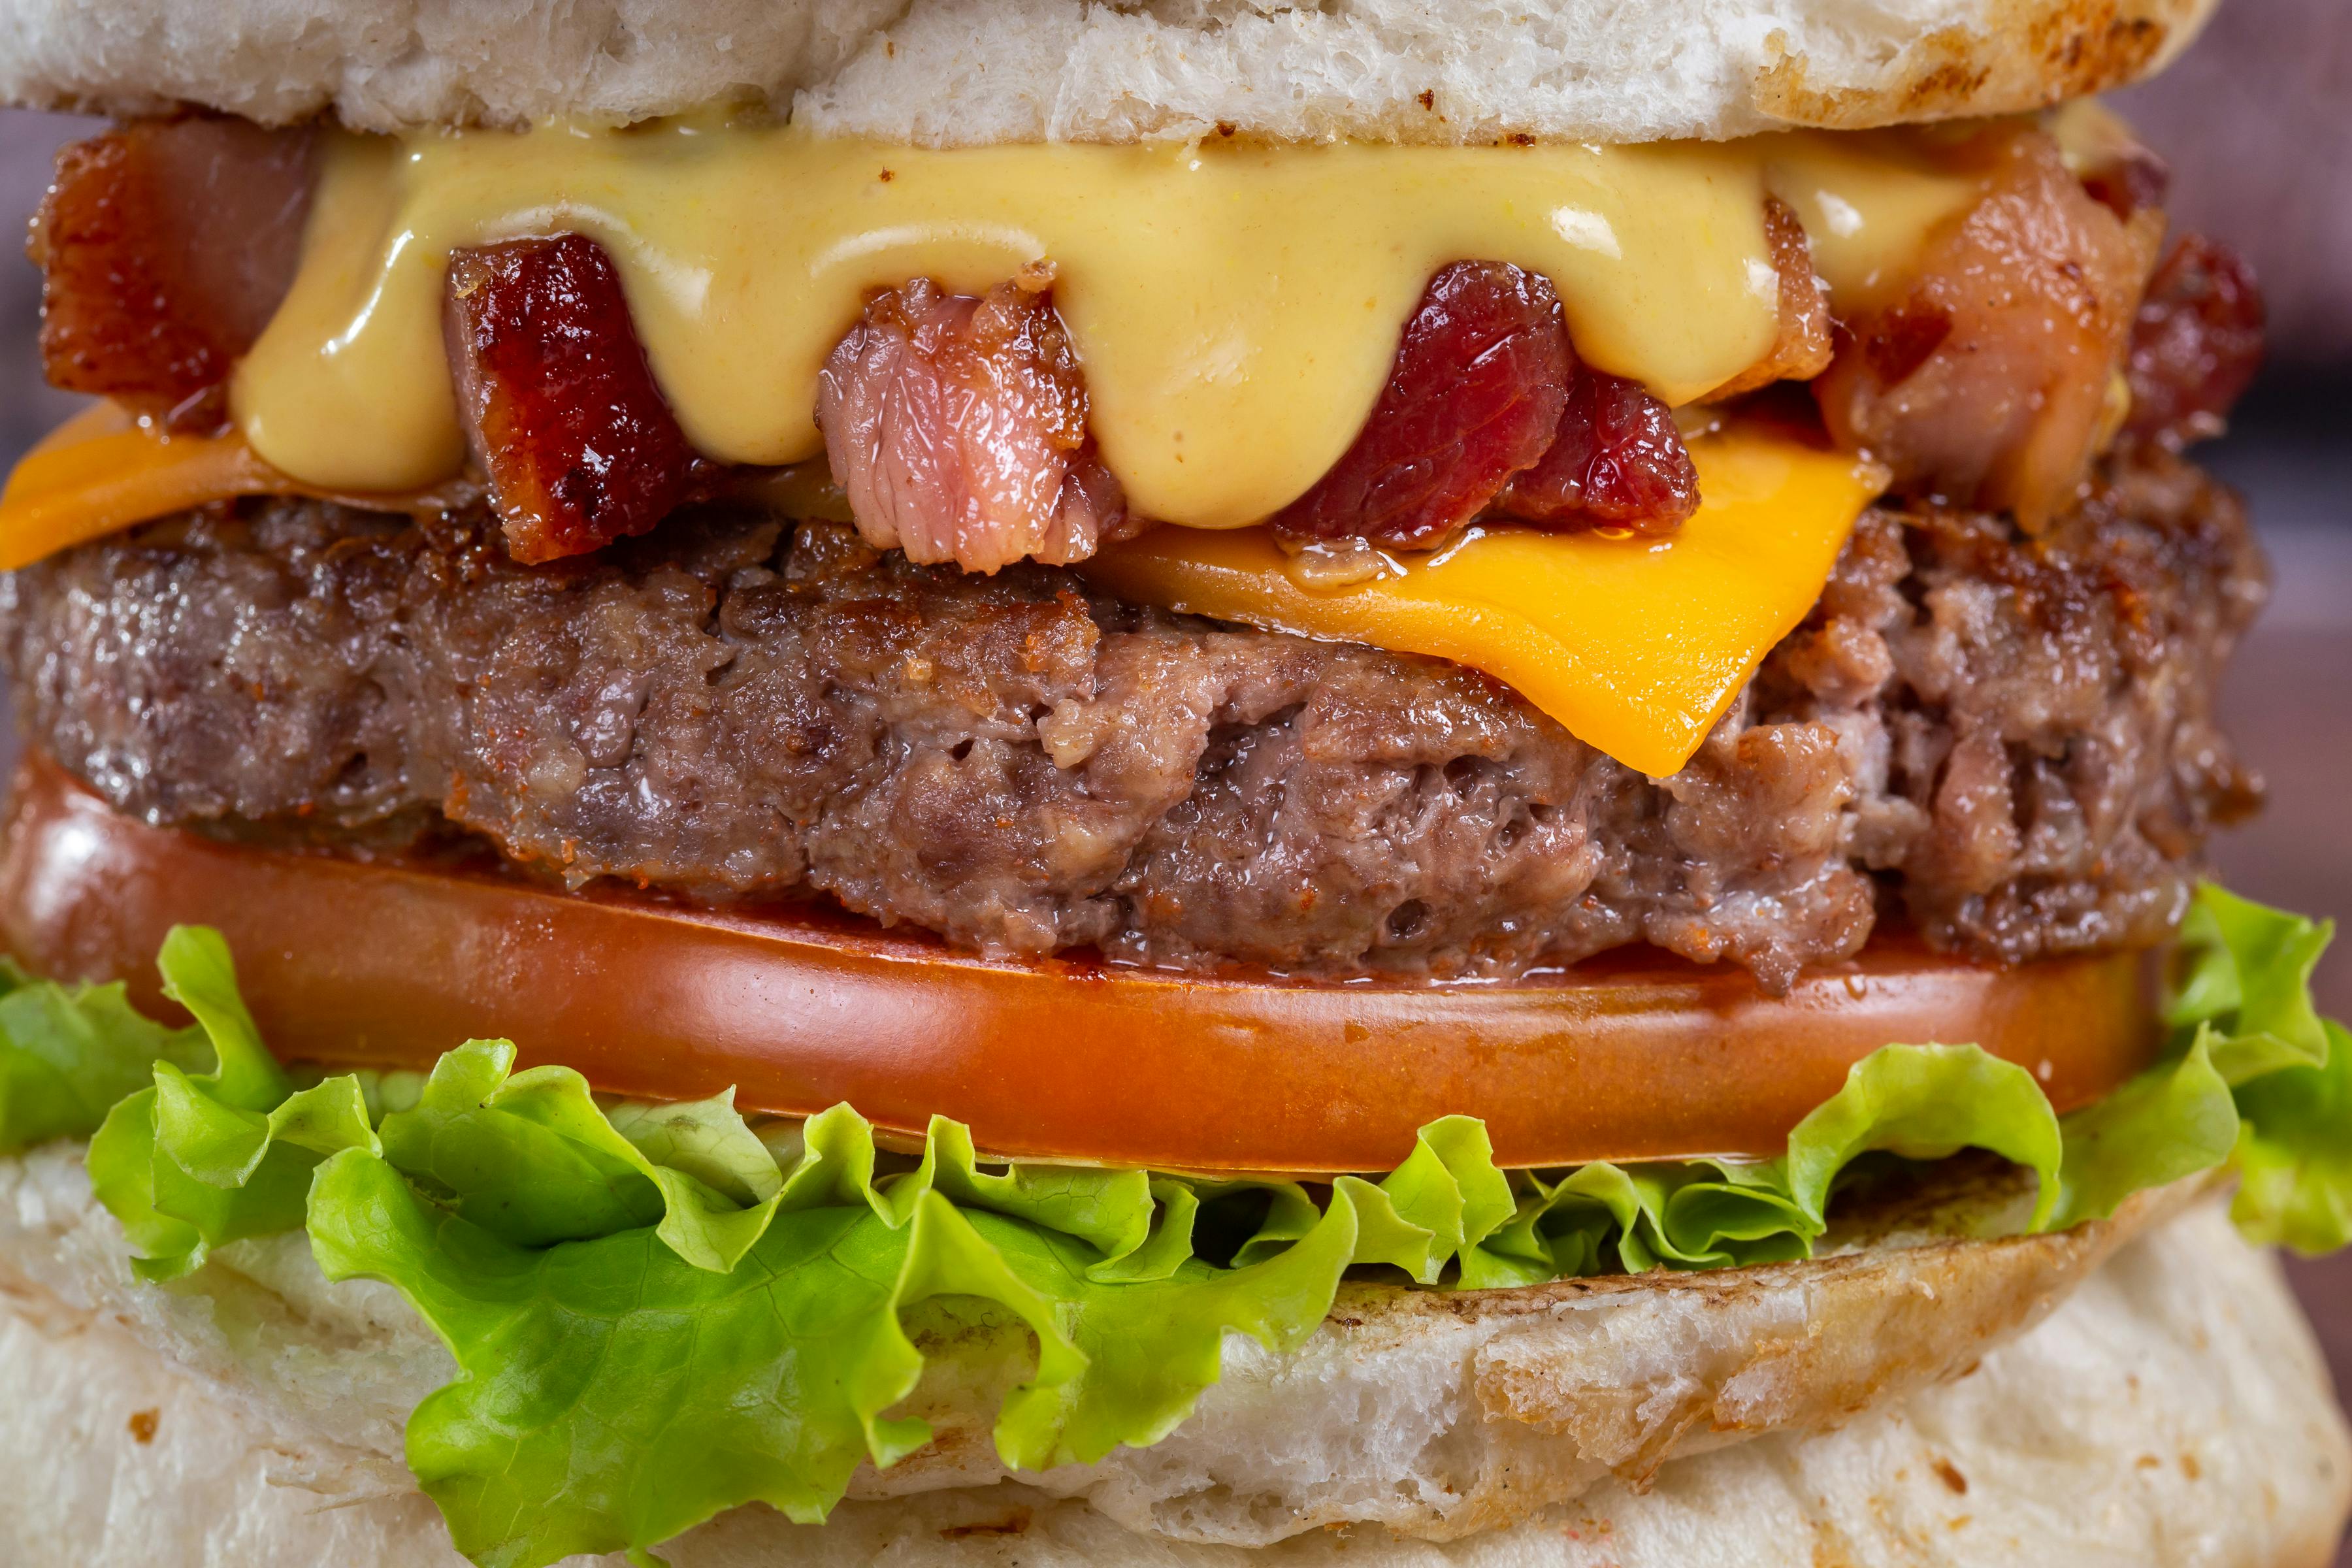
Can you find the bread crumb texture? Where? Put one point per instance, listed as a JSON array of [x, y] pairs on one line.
[[952, 72]]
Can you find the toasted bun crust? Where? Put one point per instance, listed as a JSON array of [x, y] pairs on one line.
[[2172, 1412], [971, 71]]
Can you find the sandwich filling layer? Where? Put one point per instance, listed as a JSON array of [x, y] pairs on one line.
[[2011, 741], [1499, 404], [1427, 558], [1235, 307]]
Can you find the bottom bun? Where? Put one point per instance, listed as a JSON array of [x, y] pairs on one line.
[[2173, 1411], [1435, 1413]]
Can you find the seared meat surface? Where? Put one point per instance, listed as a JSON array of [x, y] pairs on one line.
[[2009, 738], [559, 403]]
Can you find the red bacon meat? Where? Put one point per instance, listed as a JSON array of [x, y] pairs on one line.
[[1615, 461], [1480, 380], [1988, 382], [165, 246], [2196, 344], [1489, 408], [561, 406], [1803, 345]]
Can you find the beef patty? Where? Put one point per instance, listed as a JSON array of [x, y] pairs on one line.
[[2009, 739]]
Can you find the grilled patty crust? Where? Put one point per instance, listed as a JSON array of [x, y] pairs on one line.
[[2010, 740]]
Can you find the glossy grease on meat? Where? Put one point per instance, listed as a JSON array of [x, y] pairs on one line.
[[2013, 737], [1989, 379], [1480, 380], [1488, 408], [2196, 343], [1803, 342], [1616, 460], [559, 403]]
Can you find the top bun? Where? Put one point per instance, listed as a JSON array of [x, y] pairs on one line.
[[950, 72]]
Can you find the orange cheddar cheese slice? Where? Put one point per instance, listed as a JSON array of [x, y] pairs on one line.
[[1635, 646]]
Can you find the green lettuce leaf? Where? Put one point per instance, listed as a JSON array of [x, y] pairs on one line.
[[2246, 970], [197, 1160], [2245, 993], [2294, 1154], [70, 1054], [649, 1392], [1925, 1103], [2171, 1121], [532, 1158], [642, 1392], [661, 1312]]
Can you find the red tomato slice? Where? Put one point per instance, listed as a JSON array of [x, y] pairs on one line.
[[1634, 1057]]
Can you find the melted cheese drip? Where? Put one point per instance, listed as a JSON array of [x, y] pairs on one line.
[[1635, 647], [1236, 307]]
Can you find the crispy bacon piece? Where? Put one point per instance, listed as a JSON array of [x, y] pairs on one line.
[[957, 426], [1476, 395], [1988, 382], [1489, 408], [165, 247], [1802, 349], [560, 405], [1615, 461], [2129, 180], [2196, 344], [1092, 511]]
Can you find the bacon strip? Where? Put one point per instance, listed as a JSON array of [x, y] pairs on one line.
[[2196, 343], [1803, 347], [165, 246], [2129, 180], [1489, 408], [1615, 461], [559, 403], [2118, 171], [1480, 382], [1989, 382], [957, 426]]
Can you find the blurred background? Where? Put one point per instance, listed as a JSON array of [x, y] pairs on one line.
[[2257, 122]]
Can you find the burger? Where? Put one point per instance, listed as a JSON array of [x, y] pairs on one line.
[[1197, 783]]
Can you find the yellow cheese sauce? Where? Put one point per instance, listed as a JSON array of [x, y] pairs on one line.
[[1236, 307]]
